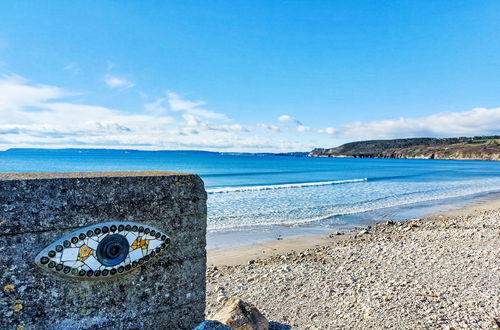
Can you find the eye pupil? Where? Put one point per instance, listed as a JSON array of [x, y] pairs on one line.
[[112, 250]]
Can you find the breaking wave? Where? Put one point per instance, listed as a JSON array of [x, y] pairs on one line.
[[281, 186]]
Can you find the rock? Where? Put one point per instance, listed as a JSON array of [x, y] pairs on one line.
[[9, 288], [212, 325], [361, 233], [278, 326], [240, 315]]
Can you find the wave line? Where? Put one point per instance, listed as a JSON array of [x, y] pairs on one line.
[[281, 186]]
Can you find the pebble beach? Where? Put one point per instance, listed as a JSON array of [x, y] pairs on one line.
[[439, 272]]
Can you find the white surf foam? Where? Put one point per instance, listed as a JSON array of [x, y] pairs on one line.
[[280, 186]]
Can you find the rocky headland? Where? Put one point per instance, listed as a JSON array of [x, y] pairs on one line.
[[464, 148]]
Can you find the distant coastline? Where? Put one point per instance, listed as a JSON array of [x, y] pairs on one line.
[[463, 148]]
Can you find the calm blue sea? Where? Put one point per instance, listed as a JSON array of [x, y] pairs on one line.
[[254, 198]]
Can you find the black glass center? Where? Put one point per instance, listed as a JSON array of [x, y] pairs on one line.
[[112, 250]]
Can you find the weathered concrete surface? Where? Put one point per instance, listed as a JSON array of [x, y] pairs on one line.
[[38, 209]]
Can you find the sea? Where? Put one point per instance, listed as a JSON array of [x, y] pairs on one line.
[[254, 198]]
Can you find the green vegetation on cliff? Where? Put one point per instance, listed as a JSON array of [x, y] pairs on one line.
[[478, 148]]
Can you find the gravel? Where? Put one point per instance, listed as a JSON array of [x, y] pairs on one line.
[[439, 272]]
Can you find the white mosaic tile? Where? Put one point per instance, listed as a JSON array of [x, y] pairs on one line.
[[78, 264], [92, 244], [136, 254], [131, 237], [70, 254], [92, 262], [153, 244]]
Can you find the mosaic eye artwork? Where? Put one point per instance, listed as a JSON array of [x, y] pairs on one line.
[[104, 250]]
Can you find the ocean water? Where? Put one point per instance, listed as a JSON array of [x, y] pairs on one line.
[[254, 198]]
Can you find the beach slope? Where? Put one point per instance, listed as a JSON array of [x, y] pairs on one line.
[[439, 272]]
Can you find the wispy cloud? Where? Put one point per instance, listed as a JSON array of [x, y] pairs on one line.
[[285, 118], [72, 68], [117, 82], [17, 92], [267, 127], [177, 103], [478, 121], [328, 130], [302, 128], [37, 115]]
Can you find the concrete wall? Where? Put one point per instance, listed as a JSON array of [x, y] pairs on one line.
[[38, 209]]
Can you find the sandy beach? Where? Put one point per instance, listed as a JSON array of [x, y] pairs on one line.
[[439, 272]]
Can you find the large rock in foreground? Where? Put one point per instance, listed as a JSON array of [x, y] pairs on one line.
[[240, 315]]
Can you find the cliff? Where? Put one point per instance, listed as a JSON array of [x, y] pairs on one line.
[[464, 148]]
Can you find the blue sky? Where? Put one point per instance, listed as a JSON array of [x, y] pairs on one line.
[[245, 75]]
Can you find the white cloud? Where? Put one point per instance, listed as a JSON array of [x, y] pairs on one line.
[[328, 130], [17, 92], [192, 120], [267, 127], [72, 68], [478, 121], [177, 103], [302, 128], [285, 118], [36, 115], [156, 106], [117, 82]]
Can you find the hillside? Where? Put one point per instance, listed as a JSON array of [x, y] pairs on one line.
[[471, 148]]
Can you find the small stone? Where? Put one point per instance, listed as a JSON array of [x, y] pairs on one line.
[[18, 307], [9, 288], [361, 233]]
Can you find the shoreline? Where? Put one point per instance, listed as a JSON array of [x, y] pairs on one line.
[[437, 272], [241, 255]]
